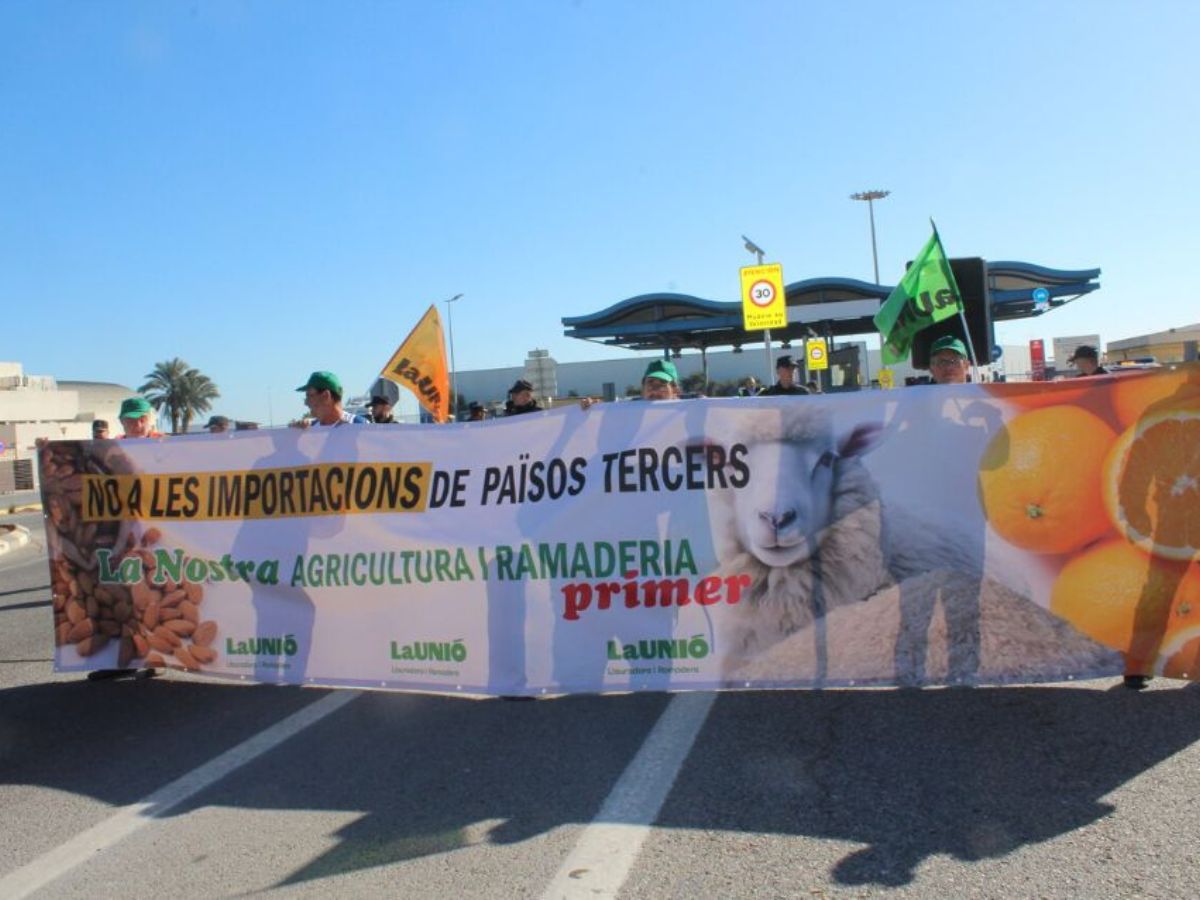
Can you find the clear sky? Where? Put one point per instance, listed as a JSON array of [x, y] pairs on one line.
[[268, 188]]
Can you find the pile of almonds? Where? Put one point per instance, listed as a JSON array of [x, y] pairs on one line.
[[158, 624]]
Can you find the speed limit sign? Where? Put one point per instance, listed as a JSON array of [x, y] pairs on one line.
[[764, 305], [762, 293], [815, 351]]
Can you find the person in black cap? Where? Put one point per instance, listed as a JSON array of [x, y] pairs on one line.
[[520, 399], [381, 411], [1087, 361], [217, 425], [785, 380]]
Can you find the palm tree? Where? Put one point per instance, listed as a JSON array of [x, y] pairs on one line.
[[180, 390]]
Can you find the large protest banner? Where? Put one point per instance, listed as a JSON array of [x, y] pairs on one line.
[[966, 534]]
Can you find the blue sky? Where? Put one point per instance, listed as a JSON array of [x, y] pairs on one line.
[[268, 188]]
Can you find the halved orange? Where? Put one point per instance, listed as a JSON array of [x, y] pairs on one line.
[[1180, 655], [1152, 484], [1136, 394]]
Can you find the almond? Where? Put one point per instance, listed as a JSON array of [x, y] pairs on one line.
[[205, 633], [80, 630], [109, 627], [174, 598], [182, 627], [143, 595], [186, 659], [90, 645], [167, 634], [203, 654], [161, 644]]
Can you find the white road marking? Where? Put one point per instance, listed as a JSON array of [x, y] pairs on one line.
[[600, 861], [83, 847]]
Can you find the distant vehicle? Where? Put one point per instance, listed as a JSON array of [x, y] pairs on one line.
[[1135, 364]]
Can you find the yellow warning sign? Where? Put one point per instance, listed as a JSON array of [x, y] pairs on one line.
[[763, 303], [818, 356]]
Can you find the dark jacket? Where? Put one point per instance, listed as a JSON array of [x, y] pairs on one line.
[[511, 409], [778, 390]]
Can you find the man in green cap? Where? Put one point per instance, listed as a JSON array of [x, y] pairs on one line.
[[948, 361], [660, 381], [137, 418], [323, 397]]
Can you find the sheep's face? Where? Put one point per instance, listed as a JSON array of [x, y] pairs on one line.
[[784, 511]]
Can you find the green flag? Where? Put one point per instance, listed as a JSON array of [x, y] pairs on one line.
[[927, 294]]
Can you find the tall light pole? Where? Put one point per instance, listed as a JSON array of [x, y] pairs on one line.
[[453, 368], [760, 253], [871, 197]]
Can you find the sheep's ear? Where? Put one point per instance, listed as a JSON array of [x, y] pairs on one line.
[[861, 439]]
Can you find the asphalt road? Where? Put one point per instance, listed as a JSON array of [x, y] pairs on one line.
[[179, 785]]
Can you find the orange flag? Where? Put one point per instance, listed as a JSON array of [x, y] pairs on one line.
[[420, 365]]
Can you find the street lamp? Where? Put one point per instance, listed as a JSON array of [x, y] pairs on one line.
[[453, 368], [760, 253], [754, 248], [871, 197]]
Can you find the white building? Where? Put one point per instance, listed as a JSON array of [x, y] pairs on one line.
[[37, 406]]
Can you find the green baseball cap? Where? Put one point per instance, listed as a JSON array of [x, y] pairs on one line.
[[322, 381], [949, 342], [662, 369], [135, 408]]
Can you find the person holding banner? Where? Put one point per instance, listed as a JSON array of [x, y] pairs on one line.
[[785, 380], [381, 411], [948, 361], [660, 381], [1087, 361], [137, 418], [520, 399], [323, 397]]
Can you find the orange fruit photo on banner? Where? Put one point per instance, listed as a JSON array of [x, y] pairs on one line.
[[1101, 589], [1152, 484], [1180, 654], [1040, 479], [1038, 394], [1134, 395]]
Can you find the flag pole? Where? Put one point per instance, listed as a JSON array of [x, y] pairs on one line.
[[962, 316]]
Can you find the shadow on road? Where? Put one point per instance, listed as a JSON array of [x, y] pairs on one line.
[[909, 774], [971, 774]]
